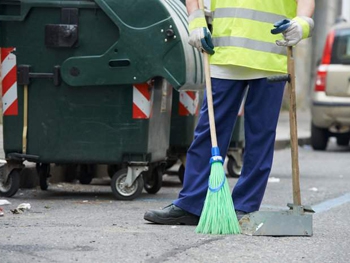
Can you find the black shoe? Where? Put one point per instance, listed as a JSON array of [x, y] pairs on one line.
[[240, 214], [171, 215]]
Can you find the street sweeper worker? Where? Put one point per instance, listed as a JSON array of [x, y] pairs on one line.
[[243, 53]]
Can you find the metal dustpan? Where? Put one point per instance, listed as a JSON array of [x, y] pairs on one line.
[[298, 220], [294, 222]]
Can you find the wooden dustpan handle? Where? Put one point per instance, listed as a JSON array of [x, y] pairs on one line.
[[293, 128]]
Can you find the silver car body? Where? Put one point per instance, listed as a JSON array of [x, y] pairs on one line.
[[330, 107]]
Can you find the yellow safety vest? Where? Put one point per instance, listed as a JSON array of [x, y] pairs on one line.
[[241, 33]]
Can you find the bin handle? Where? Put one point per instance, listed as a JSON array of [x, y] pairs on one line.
[[26, 5], [24, 10]]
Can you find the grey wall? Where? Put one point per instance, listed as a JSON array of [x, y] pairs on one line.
[[309, 51]]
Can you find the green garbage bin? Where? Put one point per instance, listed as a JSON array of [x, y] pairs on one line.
[[75, 94], [236, 149], [184, 117], [235, 152], [183, 122]]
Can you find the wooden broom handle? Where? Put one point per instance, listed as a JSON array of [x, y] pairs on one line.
[[293, 127], [214, 142]]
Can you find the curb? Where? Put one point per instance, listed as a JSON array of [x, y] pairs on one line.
[[285, 143]]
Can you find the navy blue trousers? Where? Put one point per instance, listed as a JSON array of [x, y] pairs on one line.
[[261, 111]]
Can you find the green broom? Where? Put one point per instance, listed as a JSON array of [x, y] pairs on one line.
[[218, 214]]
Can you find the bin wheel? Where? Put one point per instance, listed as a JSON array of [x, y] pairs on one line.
[[153, 180], [181, 173], [122, 192], [70, 172], [233, 169], [43, 170], [86, 173], [11, 186], [112, 169], [170, 163]]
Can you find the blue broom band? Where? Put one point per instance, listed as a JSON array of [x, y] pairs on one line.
[[215, 151], [217, 189], [216, 157]]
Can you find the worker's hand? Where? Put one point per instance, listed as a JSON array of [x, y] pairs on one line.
[[200, 36], [293, 30]]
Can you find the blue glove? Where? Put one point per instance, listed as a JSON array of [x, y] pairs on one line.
[[280, 26], [293, 30]]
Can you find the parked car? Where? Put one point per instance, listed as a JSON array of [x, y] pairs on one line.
[[330, 107]]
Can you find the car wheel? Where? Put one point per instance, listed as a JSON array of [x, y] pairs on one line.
[[319, 138], [343, 139]]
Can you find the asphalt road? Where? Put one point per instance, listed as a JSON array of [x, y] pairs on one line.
[[79, 223]]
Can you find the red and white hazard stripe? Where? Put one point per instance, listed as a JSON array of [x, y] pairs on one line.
[[9, 82], [188, 103], [142, 101], [241, 108]]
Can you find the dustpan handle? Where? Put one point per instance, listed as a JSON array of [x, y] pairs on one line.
[[293, 128]]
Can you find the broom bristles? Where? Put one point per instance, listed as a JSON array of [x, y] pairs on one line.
[[218, 214]]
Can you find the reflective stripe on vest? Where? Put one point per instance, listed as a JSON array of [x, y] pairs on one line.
[[282, 7], [248, 14], [249, 44], [242, 37]]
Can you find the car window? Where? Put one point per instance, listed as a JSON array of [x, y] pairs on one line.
[[341, 47]]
